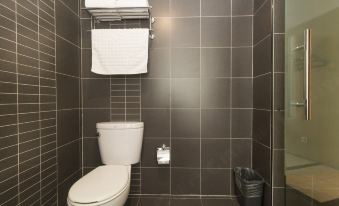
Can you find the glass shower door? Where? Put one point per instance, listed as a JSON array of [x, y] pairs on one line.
[[312, 102]]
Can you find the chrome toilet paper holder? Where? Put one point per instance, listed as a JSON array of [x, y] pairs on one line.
[[163, 155]]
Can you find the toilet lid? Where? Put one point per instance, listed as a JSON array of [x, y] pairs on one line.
[[100, 184]]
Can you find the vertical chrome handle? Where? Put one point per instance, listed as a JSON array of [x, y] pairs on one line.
[[307, 81]]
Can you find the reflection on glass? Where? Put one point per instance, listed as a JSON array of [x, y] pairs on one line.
[[312, 147]]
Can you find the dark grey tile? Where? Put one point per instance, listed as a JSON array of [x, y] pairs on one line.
[[241, 31], [68, 92], [242, 7], [68, 126], [257, 4], [278, 130], [68, 164], [278, 170], [262, 160], [185, 123], [155, 93], [242, 95], [262, 92], [215, 62], [185, 62], [278, 196], [162, 29], [159, 63], [242, 123], [279, 91], [67, 57], [242, 62], [185, 32], [185, 93], [72, 4], [185, 202], [91, 117], [215, 93], [154, 201], [64, 187], [215, 153], [68, 24], [262, 126], [267, 200], [262, 57], [180, 8], [8, 141], [215, 123], [216, 7], [262, 24], [8, 152], [132, 201], [279, 16], [279, 53], [215, 32], [8, 99], [9, 4], [91, 154], [155, 181], [149, 148], [241, 153], [185, 181], [9, 162], [157, 122], [160, 8], [180, 155], [86, 35], [215, 181], [96, 93], [217, 202]]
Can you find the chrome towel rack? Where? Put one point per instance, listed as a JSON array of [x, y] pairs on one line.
[[123, 13]]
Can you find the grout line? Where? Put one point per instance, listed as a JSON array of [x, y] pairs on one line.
[[40, 141], [200, 96], [231, 94], [56, 107], [170, 99], [17, 80]]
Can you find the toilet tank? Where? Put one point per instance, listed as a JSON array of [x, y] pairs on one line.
[[120, 142]]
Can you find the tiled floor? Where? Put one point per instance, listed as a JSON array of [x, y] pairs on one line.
[[166, 201]]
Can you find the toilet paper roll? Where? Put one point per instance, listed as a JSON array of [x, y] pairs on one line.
[[163, 156]]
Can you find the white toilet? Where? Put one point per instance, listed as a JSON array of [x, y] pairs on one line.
[[108, 185]]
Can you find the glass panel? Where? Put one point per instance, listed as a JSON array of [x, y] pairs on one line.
[[312, 147]]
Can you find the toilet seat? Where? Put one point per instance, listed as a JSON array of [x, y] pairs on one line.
[[102, 184]]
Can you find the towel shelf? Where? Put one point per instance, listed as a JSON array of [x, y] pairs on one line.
[[118, 14]]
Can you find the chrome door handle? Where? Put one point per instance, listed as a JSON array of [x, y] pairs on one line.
[[297, 104], [307, 80]]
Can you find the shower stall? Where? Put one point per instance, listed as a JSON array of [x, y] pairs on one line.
[[311, 102]]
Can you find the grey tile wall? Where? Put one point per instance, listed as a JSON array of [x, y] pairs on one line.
[[28, 164], [278, 167], [32, 98], [68, 50], [196, 96], [263, 94]]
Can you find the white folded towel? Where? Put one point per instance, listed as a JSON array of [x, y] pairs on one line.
[[119, 51], [116, 3]]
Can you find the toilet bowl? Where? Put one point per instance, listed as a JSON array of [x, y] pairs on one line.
[[108, 185]]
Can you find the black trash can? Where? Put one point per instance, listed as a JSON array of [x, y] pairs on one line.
[[249, 187]]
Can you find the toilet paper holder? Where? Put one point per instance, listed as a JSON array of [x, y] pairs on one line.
[[163, 155]]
